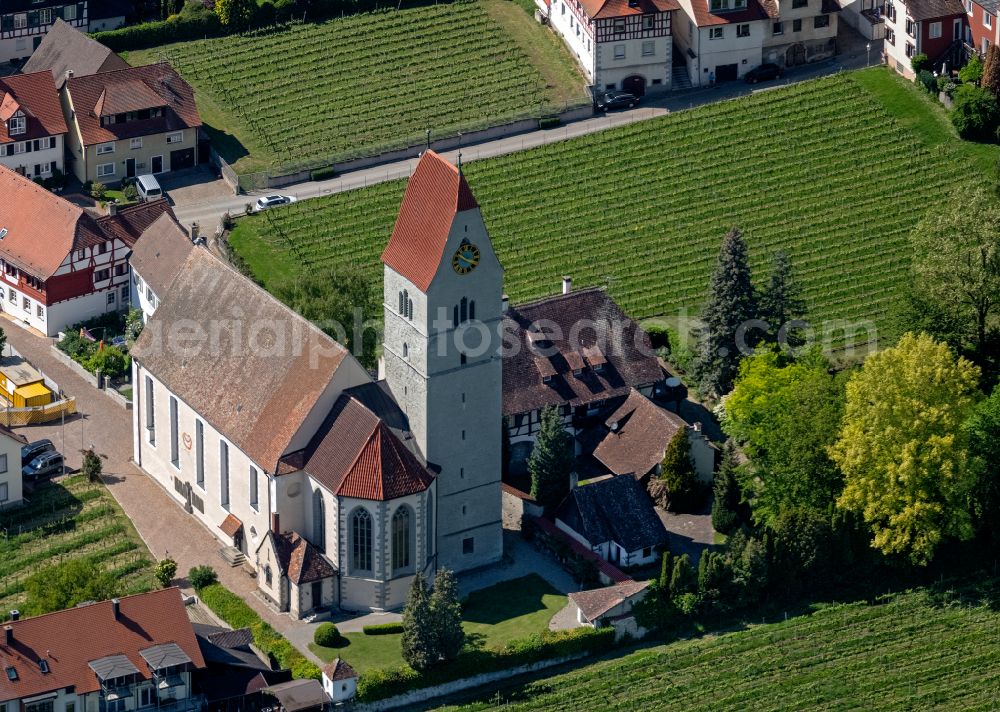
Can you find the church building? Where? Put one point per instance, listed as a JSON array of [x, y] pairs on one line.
[[336, 488]]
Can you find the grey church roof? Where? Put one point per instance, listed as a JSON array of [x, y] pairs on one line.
[[616, 509]]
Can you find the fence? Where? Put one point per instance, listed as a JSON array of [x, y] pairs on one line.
[[14, 417]]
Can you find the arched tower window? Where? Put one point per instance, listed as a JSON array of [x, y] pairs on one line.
[[404, 304], [401, 539], [406, 350], [472, 310], [401, 303], [409, 309], [268, 578], [319, 521], [361, 540], [429, 526], [464, 310]]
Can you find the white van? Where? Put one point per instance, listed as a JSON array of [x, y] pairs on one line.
[[148, 187]]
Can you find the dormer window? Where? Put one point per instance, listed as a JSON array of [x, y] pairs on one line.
[[12, 673], [17, 124]]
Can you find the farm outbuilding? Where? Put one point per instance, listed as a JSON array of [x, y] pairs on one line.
[[21, 384]]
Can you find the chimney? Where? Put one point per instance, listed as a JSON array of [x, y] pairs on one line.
[[567, 284], [116, 607], [194, 232], [574, 480], [15, 615], [504, 303], [275, 523], [69, 74], [8, 635], [112, 209]]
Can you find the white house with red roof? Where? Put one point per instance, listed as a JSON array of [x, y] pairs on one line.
[[11, 484], [337, 489], [33, 134], [134, 653], [620, 44], [928, 27], [59, 264]]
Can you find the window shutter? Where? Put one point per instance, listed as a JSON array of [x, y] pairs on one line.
[[37, 147], [27, 146]]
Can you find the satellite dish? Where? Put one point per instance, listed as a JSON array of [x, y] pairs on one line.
[[673, 382]]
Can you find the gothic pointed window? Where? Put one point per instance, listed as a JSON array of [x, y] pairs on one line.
[[361, 540], [268, 578], [454, 315], [401, 539], [464, 310], [429, 526], [472, 310], [409, 309], [319, 521], [401, 303]]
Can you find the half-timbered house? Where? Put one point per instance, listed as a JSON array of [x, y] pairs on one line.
[[23, 24], [33, 132]]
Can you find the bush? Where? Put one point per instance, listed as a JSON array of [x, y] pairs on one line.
[[549, 122], [942, 82], [76, 347], [201, 576], [323, 173], [237, 614], [974, 113], [164, 571], [972, 72], [98, 191], [928, 80], [659, 337], [131, 193], [110, 361], [920, 62], [326, 635], [191, 24], [383, 629]]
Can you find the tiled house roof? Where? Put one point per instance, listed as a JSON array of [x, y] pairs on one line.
[[596, 602], [355, 454], [921, 10], [160, 253], [435, 193], [616, 509], [339, 670], [300, 560], [606, 361], [69, 640], [35, 95], [755, 10], [65, 47], [130, 222], [601, 9]]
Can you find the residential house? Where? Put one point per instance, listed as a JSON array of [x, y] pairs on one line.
[[866, 16], [296, 696], [244, 410], [11, 485], [575, 351], [23, 24], [67, 50], [33, 135], [235, 672], [59, 264], [611, 606], [340, 682], [921, 27], [156, 260], [632, 438], [135, 653], [801, 31], [981, 26], [130, 122], [720, 40], [108, 14], [620, 44], [615, 518]]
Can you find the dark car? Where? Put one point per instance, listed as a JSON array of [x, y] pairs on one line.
[[616, 100], [48, 463], [763, 73], [32, 450]]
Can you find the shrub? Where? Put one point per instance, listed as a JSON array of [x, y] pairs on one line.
[[920, 62], [202, 576], [549, 122], [326, 635], [75, 346], [942, 82], [110, 361], [659, 337], [98, 191], [164, 571], [131, 193], [323, 173], [928, 80], [190, 24], [91, 467], [974, 113], [972, 72], [383, 629]]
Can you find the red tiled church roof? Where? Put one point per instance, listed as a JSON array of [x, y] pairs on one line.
[[435, 193], [70, 639]]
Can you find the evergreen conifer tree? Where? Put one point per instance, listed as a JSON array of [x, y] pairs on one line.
[[731, 303], [551, 460], [782, 300], [728, 510], [419, 635], [683, 578], [666, 570], [446, 612], [678, 473]]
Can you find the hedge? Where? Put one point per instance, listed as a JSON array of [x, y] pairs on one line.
[[380, 683], [323, 173], [236, 613], [383, 629], [549, 122], [151, 34]]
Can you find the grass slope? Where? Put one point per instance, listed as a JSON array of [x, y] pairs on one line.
[[823, 169], [72, 519], [917, 650], [491, 617], [362, 84]]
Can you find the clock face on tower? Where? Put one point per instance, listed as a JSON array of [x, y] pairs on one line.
[[466, 258]]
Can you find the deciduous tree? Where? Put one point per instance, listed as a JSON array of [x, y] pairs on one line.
[[731, 304], [551, 460], [677, 474], [235, 14], [903, 450], [991, 71], [983, 431]]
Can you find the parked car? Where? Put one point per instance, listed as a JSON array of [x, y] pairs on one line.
[[46, 464], [32, 450], [616, 100], [148, 188], [272, 201], [763, 73]]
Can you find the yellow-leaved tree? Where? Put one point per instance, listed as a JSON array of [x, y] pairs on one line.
[[902, 448]]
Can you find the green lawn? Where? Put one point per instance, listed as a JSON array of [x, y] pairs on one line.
[[312, 94], [70, 519], [491, 617], [830, 170], [913, 651]]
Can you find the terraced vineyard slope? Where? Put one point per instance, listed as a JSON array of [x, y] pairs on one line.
[[912, 651], [310, 94], [819, 169], [72, 519]]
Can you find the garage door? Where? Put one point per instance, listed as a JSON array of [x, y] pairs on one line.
[[726, 72], [182, 159]]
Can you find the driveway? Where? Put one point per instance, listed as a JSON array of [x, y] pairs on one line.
[[690, 534]]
